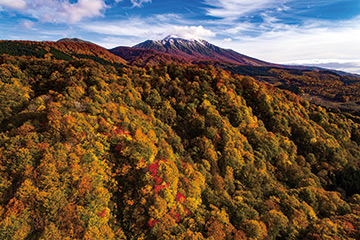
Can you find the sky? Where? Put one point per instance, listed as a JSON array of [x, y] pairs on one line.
[[323, 33]]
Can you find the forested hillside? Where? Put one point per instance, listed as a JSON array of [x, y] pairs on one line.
[[324, 87], [145, 57], [61, 50], [170, 151]]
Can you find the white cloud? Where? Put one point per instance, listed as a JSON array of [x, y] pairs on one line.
[[143, 29], [27, 24], [59, 11], [354, 61], [227, 40], [331, 44], [192, 32], [13, 4], [238, 28], [111, 42], [347, 65], [237, 8], [82, 9], [323, 40], [139, 3], [136, 3], [139, 29], [334, 43], [62, 11], [135, 27]]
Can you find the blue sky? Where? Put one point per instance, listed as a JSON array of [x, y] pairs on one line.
[[323, 33]]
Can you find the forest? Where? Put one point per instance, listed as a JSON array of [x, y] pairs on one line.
[[323, 87], [106, 150]]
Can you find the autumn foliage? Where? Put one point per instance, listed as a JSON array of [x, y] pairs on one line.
[[169, 151]]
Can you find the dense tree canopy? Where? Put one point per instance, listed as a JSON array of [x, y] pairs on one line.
[[170, 151]]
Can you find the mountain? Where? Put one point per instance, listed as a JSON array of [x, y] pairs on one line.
[[199, 50]]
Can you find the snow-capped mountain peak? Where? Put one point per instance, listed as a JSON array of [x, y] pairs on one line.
[[197, 49]]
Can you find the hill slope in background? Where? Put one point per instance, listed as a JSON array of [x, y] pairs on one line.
[[326, 88], [61, 50], [171, 151], [77, 40], [145, 57], [197, 50]]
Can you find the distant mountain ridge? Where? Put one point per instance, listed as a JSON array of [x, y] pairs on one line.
[[77, 40], [199, 50]]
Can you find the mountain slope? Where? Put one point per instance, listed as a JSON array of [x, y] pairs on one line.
[[62, 50], [198, 50], [143, 57], [201, 50]]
